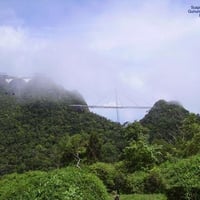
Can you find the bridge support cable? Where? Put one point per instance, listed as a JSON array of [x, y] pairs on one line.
[[116, 102]]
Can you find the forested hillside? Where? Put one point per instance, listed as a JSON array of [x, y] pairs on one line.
[[40, 131], [43, 133], [164, 120]]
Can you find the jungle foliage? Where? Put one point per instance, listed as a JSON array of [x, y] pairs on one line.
[[65, 184], [158, 154], [45, 135]]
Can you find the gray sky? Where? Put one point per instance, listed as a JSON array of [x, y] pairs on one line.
[[145, 50]]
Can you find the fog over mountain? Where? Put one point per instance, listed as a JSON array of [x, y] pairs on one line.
[[37, 87], [144, 50]]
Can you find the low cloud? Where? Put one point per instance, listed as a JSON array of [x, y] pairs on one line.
[[144, 50]]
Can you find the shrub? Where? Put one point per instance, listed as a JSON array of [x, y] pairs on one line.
[[135, 182], [65, 184], [183, 178], [183, 193], [111, 175], [154, 183], [106, 172]]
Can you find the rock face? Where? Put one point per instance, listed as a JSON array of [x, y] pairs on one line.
[[37, 87]]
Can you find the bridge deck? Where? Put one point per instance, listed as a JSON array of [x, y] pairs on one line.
[[111, 107]]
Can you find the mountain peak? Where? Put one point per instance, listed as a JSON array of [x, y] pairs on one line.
[[37, 87], [165, 119]]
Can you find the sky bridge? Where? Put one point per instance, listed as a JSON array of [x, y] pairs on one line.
[[114, 107], [110, 107], [117, 106]]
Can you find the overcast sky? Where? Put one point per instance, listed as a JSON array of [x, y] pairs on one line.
[[145, 50]]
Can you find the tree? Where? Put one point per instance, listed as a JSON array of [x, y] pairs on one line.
[[188, 143], [135, 131], [140, 155], [72, 149], [190, 126], [192, 147], [93, 151]]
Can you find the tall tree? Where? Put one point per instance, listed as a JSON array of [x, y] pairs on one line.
[[93, 151]]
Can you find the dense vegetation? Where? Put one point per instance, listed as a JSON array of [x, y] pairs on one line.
[[142, 197], [40, 131], [164, 120], [44, 134], [65, 184]]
